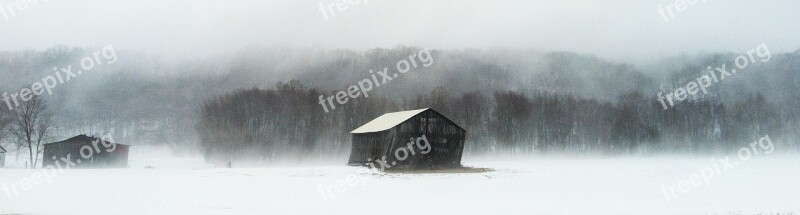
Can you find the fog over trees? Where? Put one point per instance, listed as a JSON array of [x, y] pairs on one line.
[[262, 103]]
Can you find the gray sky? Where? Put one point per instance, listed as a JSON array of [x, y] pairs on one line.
[[617, 30]]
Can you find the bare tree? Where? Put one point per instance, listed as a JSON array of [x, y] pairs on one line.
[[32, 126], [5, 121]]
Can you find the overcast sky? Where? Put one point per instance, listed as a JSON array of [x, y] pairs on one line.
[[617, 30]]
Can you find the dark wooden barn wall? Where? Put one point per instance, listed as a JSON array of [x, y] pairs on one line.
[[368, 147], [118, 158]]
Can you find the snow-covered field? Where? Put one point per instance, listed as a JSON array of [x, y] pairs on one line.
[[545, 185]]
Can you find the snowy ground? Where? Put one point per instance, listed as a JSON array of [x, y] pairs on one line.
[[763, 185]]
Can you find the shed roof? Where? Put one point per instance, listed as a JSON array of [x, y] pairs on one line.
[[2, 150], [390, 120], [81, 139], [387, 121]]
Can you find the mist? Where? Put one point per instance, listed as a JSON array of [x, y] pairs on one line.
[[615, 30]]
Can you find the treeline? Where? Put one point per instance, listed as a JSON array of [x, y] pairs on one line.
[[287, 123], [279, 123], [146, 99]]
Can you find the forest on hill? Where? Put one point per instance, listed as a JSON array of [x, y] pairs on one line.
[[264, 102]]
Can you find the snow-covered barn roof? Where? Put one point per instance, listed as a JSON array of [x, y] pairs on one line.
[[81, 139], [387, 121], [390, 120]]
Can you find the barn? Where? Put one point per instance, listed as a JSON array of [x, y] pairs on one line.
[[85, 152], [2, 157], [415, 139]]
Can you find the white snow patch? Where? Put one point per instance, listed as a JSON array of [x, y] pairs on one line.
[[766, 185]]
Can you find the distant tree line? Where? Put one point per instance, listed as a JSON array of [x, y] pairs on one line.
[[287, 123], [510, 100]]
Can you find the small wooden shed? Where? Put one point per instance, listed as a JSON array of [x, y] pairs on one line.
[[2, 157], [401, 139], [85, 152]]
